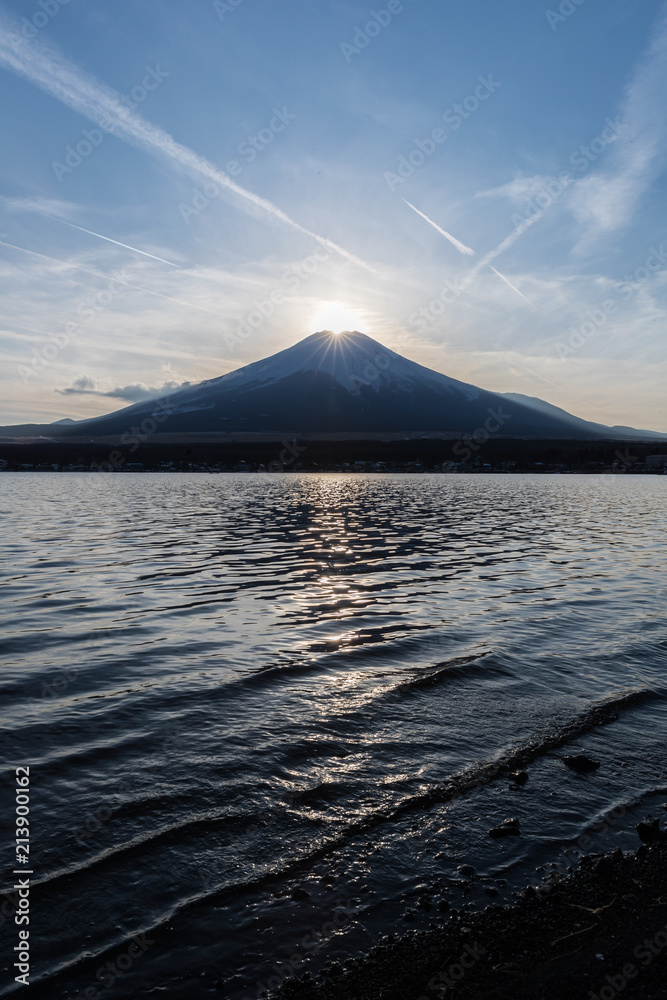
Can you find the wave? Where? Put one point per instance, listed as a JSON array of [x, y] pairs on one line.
[[558, 735]]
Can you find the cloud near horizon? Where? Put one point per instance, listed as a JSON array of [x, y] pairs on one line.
[[84, 385]]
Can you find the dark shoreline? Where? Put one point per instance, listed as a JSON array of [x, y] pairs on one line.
[[600, 932], [308, 454]]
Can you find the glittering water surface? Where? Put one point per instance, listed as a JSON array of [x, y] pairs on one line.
[[243, 699]]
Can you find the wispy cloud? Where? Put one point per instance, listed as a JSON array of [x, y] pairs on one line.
[[607, 200], [461, 247], [46, 206], [520, 190], [62, 79], [107, 277], [55, 260]]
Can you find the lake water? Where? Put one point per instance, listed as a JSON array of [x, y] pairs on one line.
[[264, 715]]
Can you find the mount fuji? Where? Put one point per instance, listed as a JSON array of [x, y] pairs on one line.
[[341, 385]]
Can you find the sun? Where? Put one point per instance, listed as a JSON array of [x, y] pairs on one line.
[[338, 318]]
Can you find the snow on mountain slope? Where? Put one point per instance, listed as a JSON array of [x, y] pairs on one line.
[[351, 359], [339, 384]]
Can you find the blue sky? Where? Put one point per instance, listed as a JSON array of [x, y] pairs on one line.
[[479, 186]]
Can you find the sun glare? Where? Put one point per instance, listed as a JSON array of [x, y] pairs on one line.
[[337, 317]]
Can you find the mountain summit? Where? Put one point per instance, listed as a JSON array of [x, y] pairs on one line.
[[342, 384]]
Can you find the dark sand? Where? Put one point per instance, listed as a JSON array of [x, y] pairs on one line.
[[599, 933]]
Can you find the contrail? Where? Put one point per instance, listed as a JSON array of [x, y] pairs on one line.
[[461, 247], [113, 277], [109, 240], [80, 91], [467, 250], [541, 377], [513, 287], [505, 245]]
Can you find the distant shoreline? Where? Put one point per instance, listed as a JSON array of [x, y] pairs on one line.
[[352, 472], [304, 454]]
